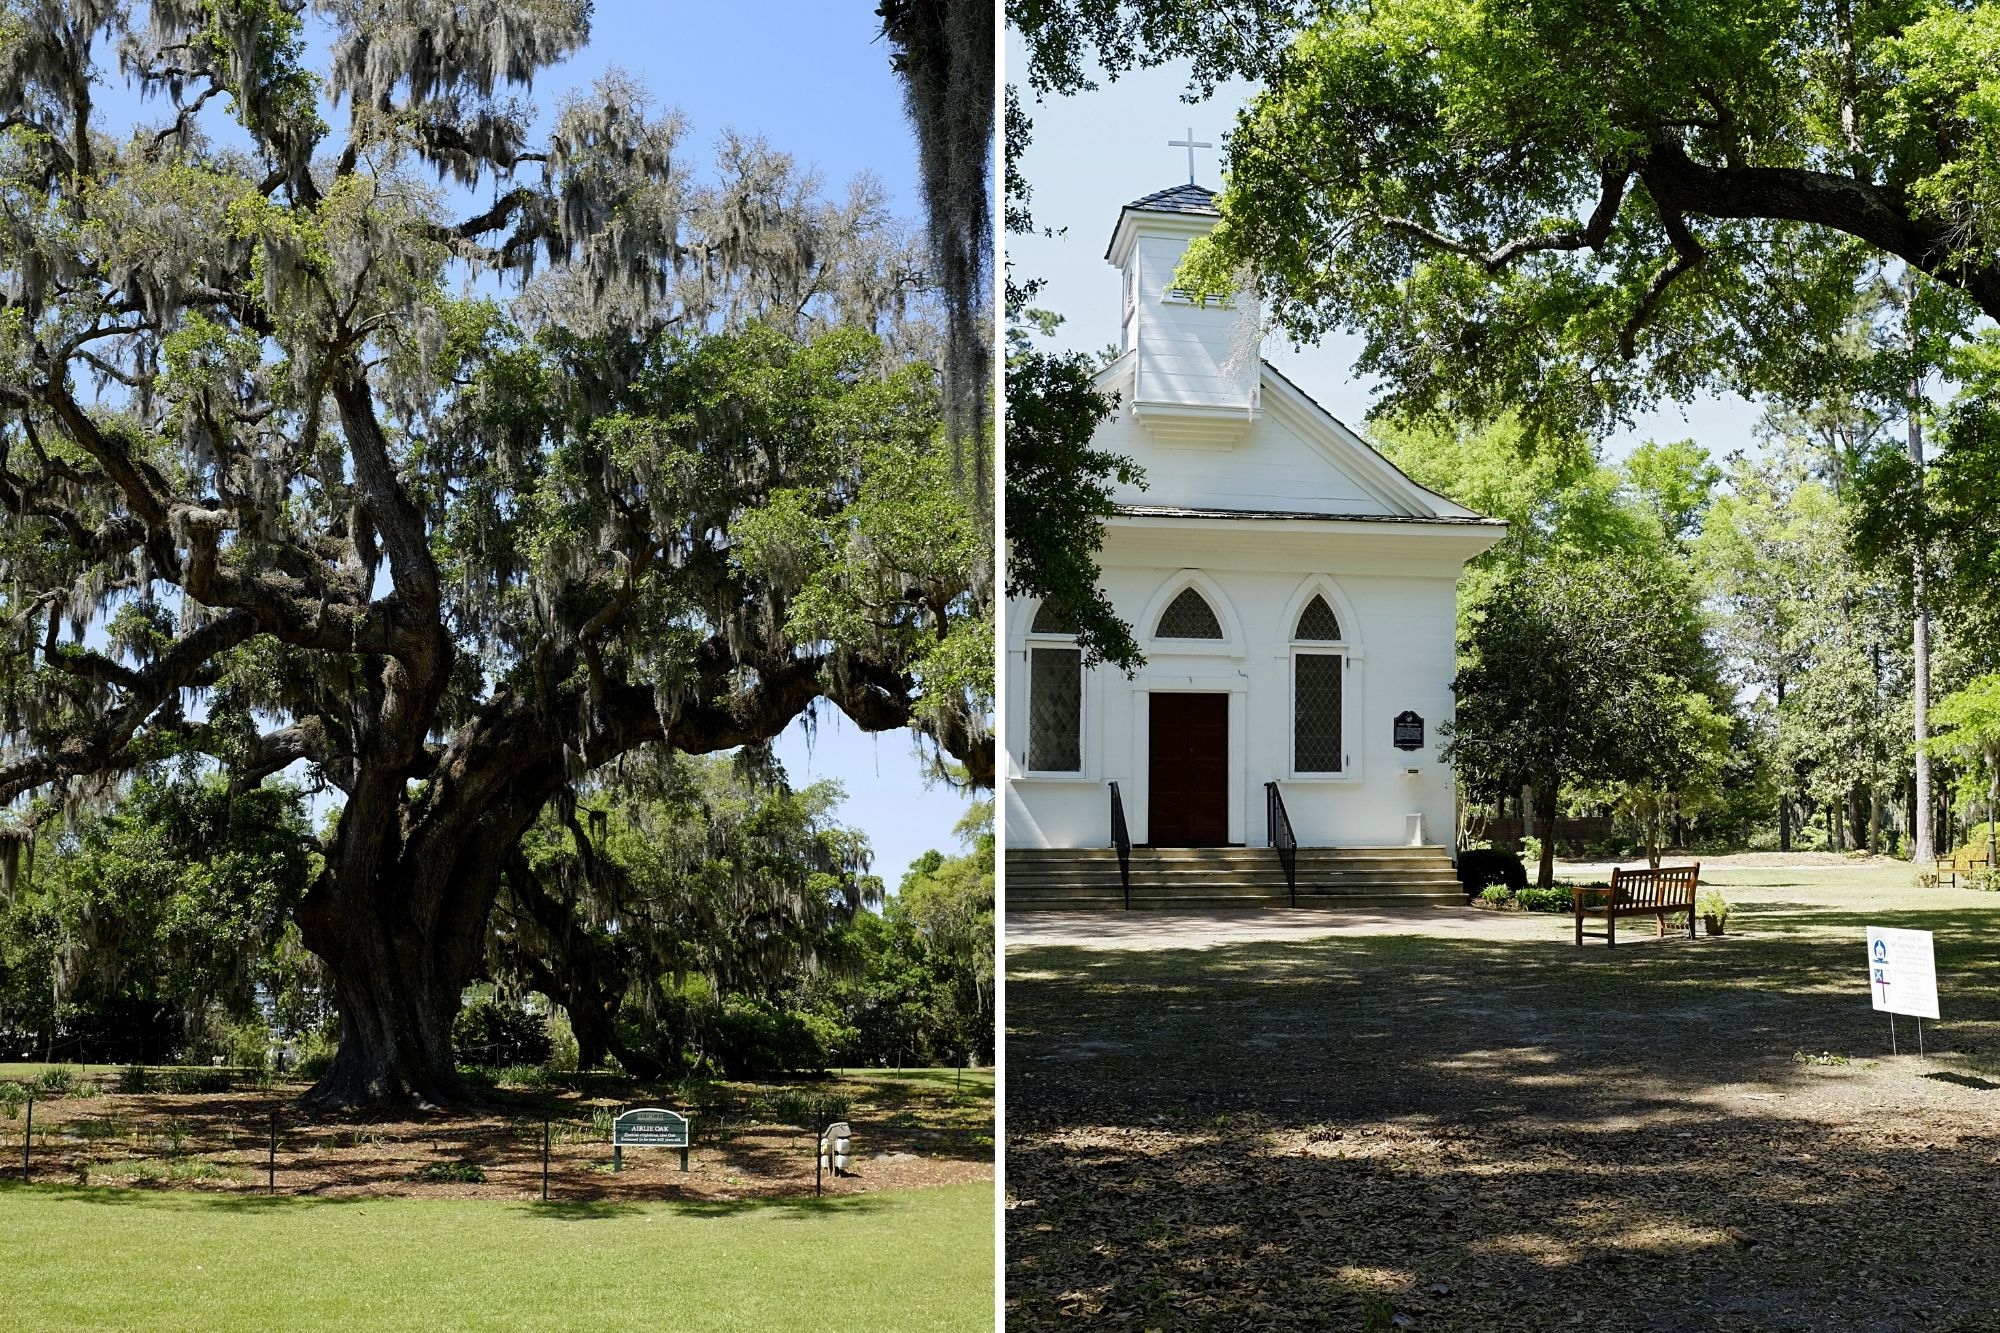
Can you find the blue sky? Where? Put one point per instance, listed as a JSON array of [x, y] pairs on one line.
[[814, 82], [1094, 153]]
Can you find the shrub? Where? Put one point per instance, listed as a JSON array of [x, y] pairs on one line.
[[755, 1037], [1976, 839], [247, 1045], [1985, 878], [12, 1095], [58, 1081], [523, 1076], [1480, 868], [498, 1035], [564, 1054], [316, 1052], [1544, 900], [134, 1079], [1495, 894], [795, 1106], [460, 1173]]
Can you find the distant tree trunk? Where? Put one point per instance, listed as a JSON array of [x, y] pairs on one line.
[[1874, 817], [1992, 802], [580, 973], [1545, 877], [1920, 637], [1784, 786]]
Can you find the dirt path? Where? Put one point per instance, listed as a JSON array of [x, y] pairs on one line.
[[1456, 1120]]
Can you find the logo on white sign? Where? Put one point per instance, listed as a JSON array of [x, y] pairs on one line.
[[1902, 972]]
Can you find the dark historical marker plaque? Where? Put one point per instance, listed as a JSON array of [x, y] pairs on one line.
[[1409, 731], [648, 1127]]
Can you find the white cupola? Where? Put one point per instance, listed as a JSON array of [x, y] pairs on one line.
[[1194, 362]]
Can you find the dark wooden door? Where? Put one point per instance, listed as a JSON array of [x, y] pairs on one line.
[[1188, 770]]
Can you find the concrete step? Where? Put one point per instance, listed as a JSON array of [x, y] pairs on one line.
[[1216, 855], [1143, 902], [1196, 878], [1023, 892], [1270, 865]]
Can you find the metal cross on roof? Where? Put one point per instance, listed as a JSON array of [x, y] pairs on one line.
[[1190, 144]]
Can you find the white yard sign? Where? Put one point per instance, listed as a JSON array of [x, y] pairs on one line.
[[1902, 973]]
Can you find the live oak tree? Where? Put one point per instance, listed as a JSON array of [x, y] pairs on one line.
[[288, 484], [1059, 495], [1572, 209]]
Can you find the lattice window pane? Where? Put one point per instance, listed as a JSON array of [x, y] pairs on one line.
[[1055, 710], [1317, 621], [1316, 716], [1188, 616], [1052, 617]]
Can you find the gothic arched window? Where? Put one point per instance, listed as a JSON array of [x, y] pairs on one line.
[[1188, 616], [1317, 621], [1318, 678], [1055, 692]]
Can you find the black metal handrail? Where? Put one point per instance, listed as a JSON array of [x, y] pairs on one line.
[[1121, 838], [1280, 825]]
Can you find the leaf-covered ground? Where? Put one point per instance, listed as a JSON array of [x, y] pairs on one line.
[[1458, 1121]]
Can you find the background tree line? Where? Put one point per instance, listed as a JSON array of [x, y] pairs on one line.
[[699, 915]]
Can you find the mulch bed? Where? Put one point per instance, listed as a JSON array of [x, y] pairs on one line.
[[903, 1139]]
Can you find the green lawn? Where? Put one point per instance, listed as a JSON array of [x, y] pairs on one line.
[[115, 1259]]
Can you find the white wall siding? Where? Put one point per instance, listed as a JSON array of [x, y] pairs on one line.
[[1193, 355]]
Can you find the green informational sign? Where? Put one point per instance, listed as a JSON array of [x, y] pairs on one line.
[[648, 1127]]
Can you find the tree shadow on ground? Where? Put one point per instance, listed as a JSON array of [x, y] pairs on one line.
[[1483, 1134]]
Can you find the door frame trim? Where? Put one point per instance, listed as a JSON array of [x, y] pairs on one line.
[[1237, 687]]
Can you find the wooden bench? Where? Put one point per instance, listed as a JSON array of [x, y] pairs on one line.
[[1655, 893], [1963, 862]]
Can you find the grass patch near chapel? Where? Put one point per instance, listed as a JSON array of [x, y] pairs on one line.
[[120, 1260]]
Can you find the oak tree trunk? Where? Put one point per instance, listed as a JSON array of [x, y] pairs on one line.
[[400, 947]]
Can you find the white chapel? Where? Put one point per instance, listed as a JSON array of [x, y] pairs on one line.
[[1294, 595]]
